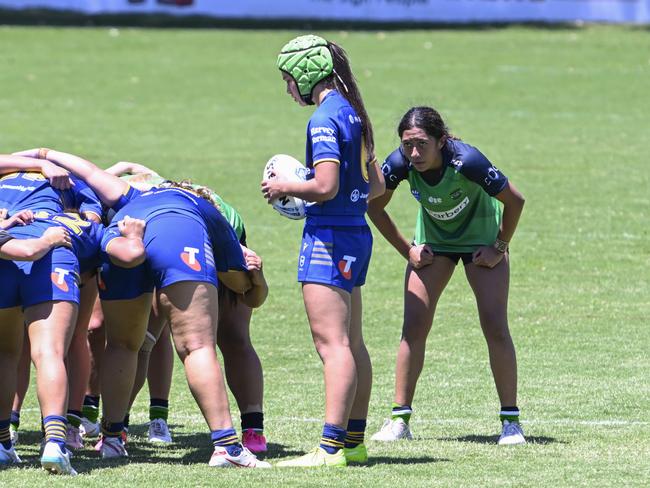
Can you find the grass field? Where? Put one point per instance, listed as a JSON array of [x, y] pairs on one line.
[[563, 112]]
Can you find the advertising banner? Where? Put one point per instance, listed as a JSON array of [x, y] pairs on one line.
[[444, 11]]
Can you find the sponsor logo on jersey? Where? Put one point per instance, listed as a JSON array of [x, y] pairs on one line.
[[457, 164], [456, 194], [58, 278], [416, 194], [449, 214], [345, 266], [493, 174], [354, 119], [322, 134], [435, 200], [189, 258], [356, 195]]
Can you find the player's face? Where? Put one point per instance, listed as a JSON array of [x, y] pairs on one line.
[[422, 150], [292, 89]]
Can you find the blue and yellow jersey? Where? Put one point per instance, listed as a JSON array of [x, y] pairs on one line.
[[458, 211], [334, 134], [159, 202], [32, 191], [86, 236]]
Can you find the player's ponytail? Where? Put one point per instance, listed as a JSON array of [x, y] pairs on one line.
[[345, 83]]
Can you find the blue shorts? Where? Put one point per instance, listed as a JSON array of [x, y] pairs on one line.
[[336, 256], [54, 277], [178, 249]]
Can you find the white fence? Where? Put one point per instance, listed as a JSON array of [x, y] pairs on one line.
[[453, 11]]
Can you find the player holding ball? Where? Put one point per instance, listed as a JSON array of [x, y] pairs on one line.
[[337, 242]]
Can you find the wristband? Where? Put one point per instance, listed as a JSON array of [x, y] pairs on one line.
[[501, 246]]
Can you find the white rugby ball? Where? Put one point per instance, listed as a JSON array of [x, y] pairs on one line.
[[287, 168]]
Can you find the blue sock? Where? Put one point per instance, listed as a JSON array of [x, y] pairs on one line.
[[356, 432], [511, 414], [55, 428], [226, 438], [333, 438], [112, 429]]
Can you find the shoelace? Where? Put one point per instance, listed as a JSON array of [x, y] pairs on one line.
[[158, 428]]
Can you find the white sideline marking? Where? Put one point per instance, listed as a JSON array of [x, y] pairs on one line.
[[179, 417]]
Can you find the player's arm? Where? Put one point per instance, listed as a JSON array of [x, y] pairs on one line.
[[376, 180], [250, 285], [128, 250], [128, 168], [33, 249], [58, 177], [385, 224], [322, 187], [109, 188]]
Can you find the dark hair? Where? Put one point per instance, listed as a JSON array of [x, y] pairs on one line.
[[343, 81], [426, 118]]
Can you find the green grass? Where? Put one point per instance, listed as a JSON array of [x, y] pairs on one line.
[[563, 112]]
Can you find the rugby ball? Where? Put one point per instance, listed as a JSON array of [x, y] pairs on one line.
[[287, 168]]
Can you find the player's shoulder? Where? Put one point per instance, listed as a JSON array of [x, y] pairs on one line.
[[463, 156], [395, 168]]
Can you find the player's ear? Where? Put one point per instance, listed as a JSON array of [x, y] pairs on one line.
[[442, 141]]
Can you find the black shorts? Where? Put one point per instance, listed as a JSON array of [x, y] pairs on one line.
[[456, 256]]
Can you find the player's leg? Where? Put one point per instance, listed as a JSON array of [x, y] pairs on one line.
[[355, 450], [22, 385], [159, 380], [50, 326], [490, 286], [328, 311], [78, 363], [11, 346], [242, 367], [422, 289], [96, 344], [191, 309]]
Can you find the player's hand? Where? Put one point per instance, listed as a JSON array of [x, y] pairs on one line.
[[420, 256], [131, 228], [58, 236], [272, 189], [23, 217], [487, 257], [58, 177], [253, 261]]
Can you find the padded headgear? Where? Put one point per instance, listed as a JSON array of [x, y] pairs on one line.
[[307, 60]]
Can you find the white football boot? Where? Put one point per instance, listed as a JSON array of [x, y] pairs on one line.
[[55, 460], [245, 459], [73, 438], [511, 434], [393, 430], [112, 447], [159, 432], [88, 428], [8, 456]]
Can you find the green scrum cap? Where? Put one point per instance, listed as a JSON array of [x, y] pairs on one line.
[[307, 60]]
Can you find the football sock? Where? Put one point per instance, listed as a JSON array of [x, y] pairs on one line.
[[402, 412], [511, 414], [112, 429], [355, 433], [126, 422], [74, 418], [226, 438], [15, 419], [333, 438], [55, 428], [158, 409], [252, 420], [5, 437], [90, 408]]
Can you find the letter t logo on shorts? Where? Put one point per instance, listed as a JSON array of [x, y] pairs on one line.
[[345, 266], [58, 278], [189, 258]]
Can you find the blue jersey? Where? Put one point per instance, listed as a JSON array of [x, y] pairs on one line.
[[334, 134], [161, 202], [32, 191], [86, 236]]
